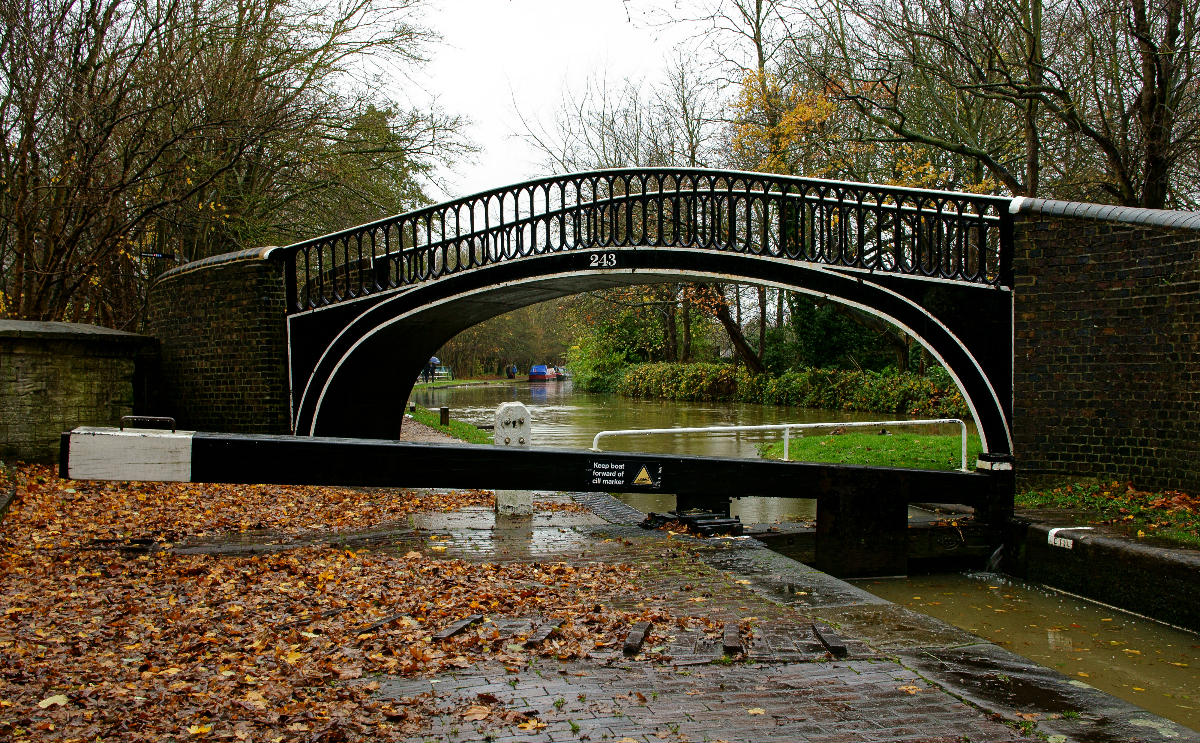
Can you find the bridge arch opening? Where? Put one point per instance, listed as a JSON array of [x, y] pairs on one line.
[[383, 349]]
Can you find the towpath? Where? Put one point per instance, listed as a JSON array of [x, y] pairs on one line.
[[782, 653]]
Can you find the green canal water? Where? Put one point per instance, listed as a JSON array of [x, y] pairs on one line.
[[567, 419], [1152, 665]]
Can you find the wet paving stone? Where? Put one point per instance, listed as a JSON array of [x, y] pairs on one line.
[[875, 701], [906, 677]]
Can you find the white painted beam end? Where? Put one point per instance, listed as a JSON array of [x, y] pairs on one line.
[[129, 454]]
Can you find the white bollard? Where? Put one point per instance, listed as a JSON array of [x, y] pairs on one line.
[[513, 427]]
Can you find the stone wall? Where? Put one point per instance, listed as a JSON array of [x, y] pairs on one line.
[[221, 323], [55, 376], [1107, 344]]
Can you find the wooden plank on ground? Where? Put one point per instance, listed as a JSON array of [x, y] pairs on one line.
[[543, 633], [637, 637], [831, 640], [731, 639], [452, 630]]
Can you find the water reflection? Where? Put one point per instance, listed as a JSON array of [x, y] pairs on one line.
[[564, 418], [568, 419], [1149, 664]]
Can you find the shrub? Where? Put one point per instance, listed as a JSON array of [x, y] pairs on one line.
[[835, 389]]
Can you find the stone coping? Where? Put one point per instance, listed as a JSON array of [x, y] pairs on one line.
[[1107, 213], [237, 256], [70, 331]]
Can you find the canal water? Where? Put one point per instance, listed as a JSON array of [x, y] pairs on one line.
[[1147, 663], [563, 418], [1152, 665]]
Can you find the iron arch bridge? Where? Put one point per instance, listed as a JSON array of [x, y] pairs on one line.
[[368, 306]]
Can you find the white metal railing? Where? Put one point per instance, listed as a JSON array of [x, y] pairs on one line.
[[787, 430]]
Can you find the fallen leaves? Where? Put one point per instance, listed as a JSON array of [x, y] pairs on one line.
[[56, 700], [477, 712], [100, 643]]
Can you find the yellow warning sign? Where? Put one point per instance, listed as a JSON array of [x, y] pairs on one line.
[[643, 477]]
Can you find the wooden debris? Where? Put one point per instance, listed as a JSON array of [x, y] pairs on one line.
[[831, 640], [543, 633], [452, 630], [731, 639], [637, 637]]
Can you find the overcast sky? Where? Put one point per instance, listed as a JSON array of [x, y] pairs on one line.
[[498, 55]]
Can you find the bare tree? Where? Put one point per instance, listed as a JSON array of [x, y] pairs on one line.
[[1101, 95], [159, 126]]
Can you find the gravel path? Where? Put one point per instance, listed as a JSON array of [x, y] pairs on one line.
[[411, 430]]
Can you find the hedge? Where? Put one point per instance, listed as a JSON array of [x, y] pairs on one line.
[[832, 389]]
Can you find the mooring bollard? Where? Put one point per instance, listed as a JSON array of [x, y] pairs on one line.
[[443, 416], [513, 427]]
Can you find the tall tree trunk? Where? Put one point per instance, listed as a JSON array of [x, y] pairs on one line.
[[744, 351], [670, 333], [762, 322], [685, 354], [1036, 65]]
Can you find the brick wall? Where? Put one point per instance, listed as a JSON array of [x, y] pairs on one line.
[[224, 344], [1107, 344], [55, 376]]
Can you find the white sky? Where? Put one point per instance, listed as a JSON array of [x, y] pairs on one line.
[[497, 55]]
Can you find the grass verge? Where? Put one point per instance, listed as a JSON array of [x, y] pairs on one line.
[[459, 383], [458, 429], [896, 450], [1168, 514]]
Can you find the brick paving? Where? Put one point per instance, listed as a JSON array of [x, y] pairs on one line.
[[833, 702], [906, 676]]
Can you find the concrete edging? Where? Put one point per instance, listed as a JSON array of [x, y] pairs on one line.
[[1132, 575]]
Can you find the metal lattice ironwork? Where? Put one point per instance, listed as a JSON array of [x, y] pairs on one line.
[[958, 237]]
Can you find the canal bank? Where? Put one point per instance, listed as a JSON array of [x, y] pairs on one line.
[[1143, 575], [779, 652]]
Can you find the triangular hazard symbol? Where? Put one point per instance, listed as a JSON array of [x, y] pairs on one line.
[[643, 477]]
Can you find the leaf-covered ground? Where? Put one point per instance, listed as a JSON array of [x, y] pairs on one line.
[[102, 643], [1168, 514]]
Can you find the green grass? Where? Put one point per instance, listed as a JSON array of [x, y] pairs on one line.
[[457, 382], [1170, 515], [458, 429], [898, 450]]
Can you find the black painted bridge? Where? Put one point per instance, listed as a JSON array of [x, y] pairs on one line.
[[368, 306]]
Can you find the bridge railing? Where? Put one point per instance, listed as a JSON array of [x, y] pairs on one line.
[[933, 234]]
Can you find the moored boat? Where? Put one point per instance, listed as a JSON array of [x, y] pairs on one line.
[[546, 373]]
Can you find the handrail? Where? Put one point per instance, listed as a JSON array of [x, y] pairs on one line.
[[787, 429], [958, 237]]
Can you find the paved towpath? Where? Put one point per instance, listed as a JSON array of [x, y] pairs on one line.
[[769, 667]]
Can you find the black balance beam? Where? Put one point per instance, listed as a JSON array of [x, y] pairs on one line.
[[859, 508]]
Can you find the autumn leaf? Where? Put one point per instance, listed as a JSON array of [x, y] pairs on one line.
[[56, 700], [237, 634], [756, 711], [909, 689], [477, 712]]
